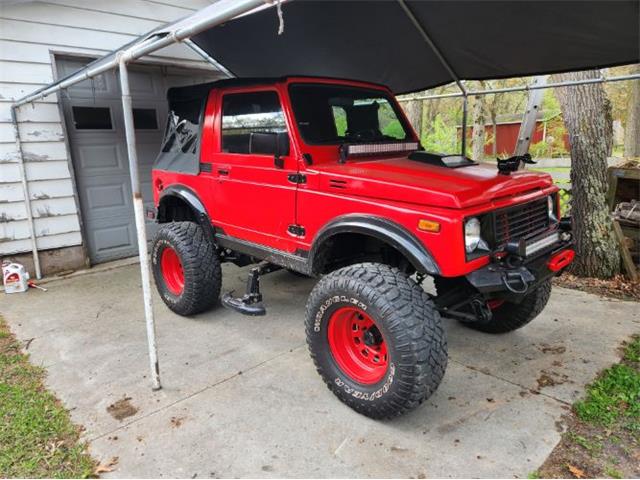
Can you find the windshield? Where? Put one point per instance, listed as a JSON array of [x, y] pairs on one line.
[[336, 114]]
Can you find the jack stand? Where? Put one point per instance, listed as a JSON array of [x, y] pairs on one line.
[[251, 302]]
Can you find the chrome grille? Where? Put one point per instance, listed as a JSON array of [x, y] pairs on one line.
[[521, 221]]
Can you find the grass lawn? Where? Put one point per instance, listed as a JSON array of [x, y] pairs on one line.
[[37, 438], [603, 434]]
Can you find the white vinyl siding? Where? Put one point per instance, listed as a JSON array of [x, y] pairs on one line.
[[30, 32]]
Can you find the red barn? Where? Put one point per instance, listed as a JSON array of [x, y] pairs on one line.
[[506, 135]]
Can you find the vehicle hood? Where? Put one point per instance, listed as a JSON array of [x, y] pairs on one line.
[[403, 180]]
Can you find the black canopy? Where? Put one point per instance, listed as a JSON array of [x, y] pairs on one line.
[[388, 41]]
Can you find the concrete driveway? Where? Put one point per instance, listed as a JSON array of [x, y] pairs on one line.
[[241, 397]]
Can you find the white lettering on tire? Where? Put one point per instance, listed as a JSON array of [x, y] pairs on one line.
[[330, 301], [365, 395]]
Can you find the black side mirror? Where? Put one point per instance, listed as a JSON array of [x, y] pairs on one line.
[[270, 143]]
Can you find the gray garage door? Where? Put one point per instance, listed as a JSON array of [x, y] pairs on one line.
[[93, 116]]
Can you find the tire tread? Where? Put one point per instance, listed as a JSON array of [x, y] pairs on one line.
[[200, 263], [414, 323]]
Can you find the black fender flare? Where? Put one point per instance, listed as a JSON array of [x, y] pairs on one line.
[[192, 200], [385, 230]]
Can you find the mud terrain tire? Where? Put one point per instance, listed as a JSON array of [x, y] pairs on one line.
[[376, 303], [186, 268], [508, 316]]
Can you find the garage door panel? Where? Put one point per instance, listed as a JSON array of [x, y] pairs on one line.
[[147, 154], [103, 85], [100, 159], [112, 238], [146, 83], [104, 197]]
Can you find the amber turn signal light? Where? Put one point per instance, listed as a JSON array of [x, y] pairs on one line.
[[428, 226]]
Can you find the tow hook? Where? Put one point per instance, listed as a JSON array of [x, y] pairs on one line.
[[480, 311], [561, 260], [508, 277]]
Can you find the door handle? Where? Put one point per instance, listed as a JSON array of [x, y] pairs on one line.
[[223, 171]]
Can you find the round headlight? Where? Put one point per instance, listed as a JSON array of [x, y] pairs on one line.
[[471, 234], [551, 206]]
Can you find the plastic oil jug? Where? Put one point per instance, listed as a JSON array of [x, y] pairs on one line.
[[15, 277]]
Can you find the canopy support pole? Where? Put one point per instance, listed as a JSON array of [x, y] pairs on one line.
[[463, 146], [25, 191], [138, 209], [208, 58], [463, 91]]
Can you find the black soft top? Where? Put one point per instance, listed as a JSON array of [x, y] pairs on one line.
[[180, 151], [195, 92]]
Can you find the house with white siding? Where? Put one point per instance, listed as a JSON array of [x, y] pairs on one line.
[[73, 143]]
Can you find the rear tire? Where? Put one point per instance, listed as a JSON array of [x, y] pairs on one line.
[[507, 317], [186, 268], [376, 309]]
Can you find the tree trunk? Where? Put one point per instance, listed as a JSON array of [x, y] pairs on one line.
[[585, 116], [632, 129], [478, 135], [413, 108], [608, 134], [494, 126], [430, 111]]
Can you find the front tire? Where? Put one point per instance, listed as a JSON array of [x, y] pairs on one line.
[[186, 268], [376, 339], [506, 316]]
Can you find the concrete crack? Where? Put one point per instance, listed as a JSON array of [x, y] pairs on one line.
[[506, 380]]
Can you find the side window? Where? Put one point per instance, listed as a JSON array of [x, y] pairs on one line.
[[246, 113]]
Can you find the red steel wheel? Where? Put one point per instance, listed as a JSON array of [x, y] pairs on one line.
[[172, 272], [357, 345]]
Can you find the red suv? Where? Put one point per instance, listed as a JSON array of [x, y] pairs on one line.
[[327, 179]]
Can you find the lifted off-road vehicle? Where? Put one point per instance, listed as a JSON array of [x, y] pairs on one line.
[[327, 179]]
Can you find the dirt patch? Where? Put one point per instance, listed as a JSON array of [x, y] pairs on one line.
[[176, 422], [122, 409], [593, 452], [602, 434], [553, 349], [550, 379], [618, 287]]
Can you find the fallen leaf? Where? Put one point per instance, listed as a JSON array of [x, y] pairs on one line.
[[576, 472], [106, 467]]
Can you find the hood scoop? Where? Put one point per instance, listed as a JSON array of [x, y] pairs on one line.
[[442, 160]]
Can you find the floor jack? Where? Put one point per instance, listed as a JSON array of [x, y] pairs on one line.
[[251, 302]]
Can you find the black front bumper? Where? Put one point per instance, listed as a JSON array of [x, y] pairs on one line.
[[512, 277]]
